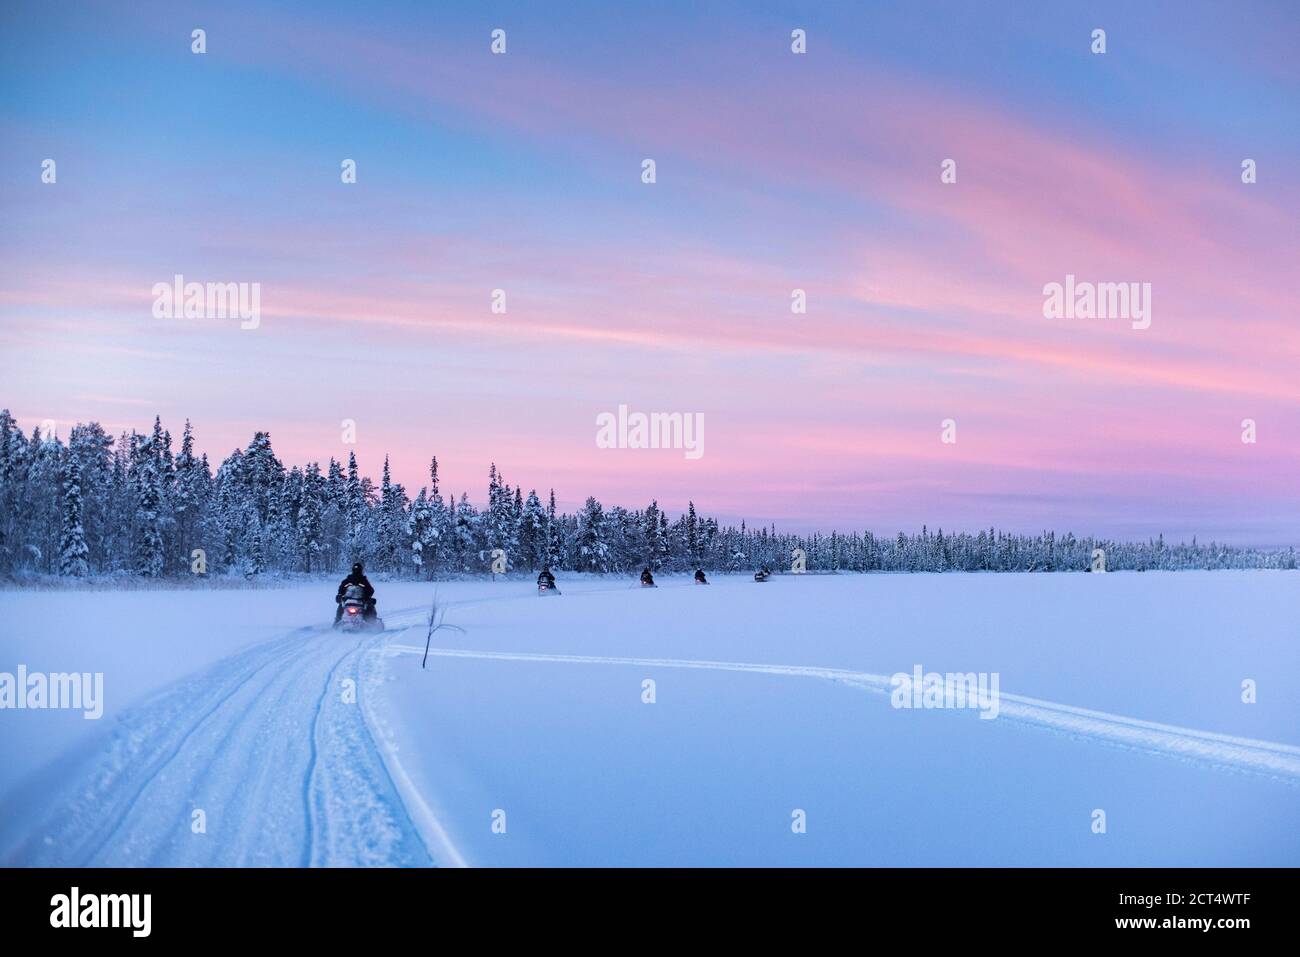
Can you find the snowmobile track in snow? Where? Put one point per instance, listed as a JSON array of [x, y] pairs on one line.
[[267, 745], [1280, 761]]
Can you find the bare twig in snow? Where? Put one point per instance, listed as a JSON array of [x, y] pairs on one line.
[[437, 614]]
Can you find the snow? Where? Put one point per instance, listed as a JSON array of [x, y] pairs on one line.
[[1119, 692]]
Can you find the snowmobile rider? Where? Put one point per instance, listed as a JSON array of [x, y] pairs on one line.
[[546, 579], [699, 577], [358, 578], [646, 577]]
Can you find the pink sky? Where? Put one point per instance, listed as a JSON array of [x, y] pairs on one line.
[[775, 172]]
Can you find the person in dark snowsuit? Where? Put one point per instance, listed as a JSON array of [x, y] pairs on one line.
[[699, 577], [357, 577], [646, 577], [763, 574], [546, 579]]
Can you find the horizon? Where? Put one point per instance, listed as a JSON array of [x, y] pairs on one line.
[[776, 172], [567, 505]]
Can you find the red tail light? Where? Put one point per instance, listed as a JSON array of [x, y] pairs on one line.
[[352, 611]]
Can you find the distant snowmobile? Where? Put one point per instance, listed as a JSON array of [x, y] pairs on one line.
[[647, 580], [358, 613], [699, 577], [546, 584], [763, 574]]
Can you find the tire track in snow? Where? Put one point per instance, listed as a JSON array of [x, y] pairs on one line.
[[1263, 757], [235, 767], [355, 809], [285, 770], [309, 780], [76, 834], [434, 835]]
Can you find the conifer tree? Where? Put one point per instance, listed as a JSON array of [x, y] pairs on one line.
[[149, 556], [592, 547], [310, 519], [532, 533], [692, 536], [554, 536], [72, 544]]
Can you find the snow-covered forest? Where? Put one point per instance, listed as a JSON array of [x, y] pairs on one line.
[[135, 505]]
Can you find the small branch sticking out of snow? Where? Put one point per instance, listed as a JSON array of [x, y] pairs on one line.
[[437, 614]]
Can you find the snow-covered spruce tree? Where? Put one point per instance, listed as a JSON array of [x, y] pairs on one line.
[[282, 531], [737, 543], [253, 548], [418, 522], [692, 536], [392, 544], [400, 544], [382, 558], [624, 538], [516, 520], [188, 502], [591, 546], [333, 532], [310, 509], [119, 510], [499, 524], [554, 536], [72, 543], [38, 519], [677, 559], [92, 448], [710, 546], [665, 544], [262, 474], [489, 518], [616, 538], [532, 532], [653, 556], [368, 541], [12, 451], [449, 545], [467, 536], [435, 541], [223, 552], [148, 551], [160, 441], [355, 505]]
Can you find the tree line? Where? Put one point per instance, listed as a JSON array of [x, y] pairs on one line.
[[133, 505]]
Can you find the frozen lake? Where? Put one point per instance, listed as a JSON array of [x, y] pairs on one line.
[[531, 737]]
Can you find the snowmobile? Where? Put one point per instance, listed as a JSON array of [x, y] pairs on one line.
[[546, 586], [699, 577], [762, 575], [648, 580], [358, 614]]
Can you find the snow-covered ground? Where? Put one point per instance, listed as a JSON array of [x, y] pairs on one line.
[[1119, 692]]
